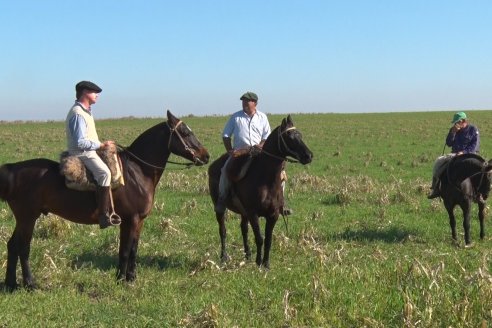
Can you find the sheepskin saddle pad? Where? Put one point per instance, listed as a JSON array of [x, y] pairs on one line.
[[78, 177]]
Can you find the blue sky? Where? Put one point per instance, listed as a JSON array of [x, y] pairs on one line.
[[198, 57]]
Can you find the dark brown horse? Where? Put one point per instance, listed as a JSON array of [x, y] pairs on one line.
[[466, 178], [259, 193], [35, 187]]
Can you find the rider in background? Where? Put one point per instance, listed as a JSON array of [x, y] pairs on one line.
[[463, 138], [83, 141], [246, 130]]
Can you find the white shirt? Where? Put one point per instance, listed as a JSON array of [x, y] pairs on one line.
[[247, 131]]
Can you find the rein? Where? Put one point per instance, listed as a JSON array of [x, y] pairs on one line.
[[183, 142]]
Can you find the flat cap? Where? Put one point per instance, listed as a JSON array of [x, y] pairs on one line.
[[87, 85], [249, 96]]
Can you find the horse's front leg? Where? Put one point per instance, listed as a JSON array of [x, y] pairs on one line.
[[244, 233], [131, 271], [452, 221], [481, 217], [270, 224], [127, 240], [224, 257], [466, 207], [255, 226]]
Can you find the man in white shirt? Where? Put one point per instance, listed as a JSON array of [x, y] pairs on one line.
[[245, 129]]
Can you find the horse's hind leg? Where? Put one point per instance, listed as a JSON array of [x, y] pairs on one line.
[[19, 246], [12, 257], [481, 217], [244, 233]]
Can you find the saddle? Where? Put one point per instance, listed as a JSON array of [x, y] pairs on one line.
[[239, 163], [78, 177]]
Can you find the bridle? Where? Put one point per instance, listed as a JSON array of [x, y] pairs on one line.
[[284, 144], [190, 150], [183, 142]]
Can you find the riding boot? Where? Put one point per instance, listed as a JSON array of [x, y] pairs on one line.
[[102, 199], [436, 190]]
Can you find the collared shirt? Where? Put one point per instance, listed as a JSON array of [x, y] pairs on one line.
[[466, 140], [77, 127], [247, 131]]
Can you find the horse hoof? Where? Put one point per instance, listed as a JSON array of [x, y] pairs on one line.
[[225, 258], [470, 245]]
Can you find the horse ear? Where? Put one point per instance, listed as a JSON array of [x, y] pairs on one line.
[[283, 125], [171, 118], [289, 120]]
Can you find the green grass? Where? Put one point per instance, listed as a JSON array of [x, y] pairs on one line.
[[365, 248]]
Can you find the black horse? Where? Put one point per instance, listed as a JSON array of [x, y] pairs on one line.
[[259, 193], [36, 187], [466, 180]]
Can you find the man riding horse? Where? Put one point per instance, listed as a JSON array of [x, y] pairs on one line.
[[83, 141], [250, 129], [463, 138]]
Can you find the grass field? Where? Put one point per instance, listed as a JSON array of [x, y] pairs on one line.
[[365, 248]]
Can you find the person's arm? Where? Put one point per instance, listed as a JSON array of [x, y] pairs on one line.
[[227, 144], [450, 137], [78, 127], [472, 146]]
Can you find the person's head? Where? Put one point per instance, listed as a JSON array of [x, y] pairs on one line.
[[460, 120], [86, 91], [249, 99]]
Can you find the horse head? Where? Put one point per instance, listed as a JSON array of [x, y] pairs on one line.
[[290, 142], [182, 141]]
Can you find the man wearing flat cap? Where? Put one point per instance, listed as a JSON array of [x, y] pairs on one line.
[[246, 130], [463, 138], [83, 141]]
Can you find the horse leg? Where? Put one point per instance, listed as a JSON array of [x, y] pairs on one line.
[[224, 257], [131, 273], [481, 217], [12, 257], [19, 247], [126, 230], [270, 224], [244, 233], [452, 221], [255, 226], [466, 206]]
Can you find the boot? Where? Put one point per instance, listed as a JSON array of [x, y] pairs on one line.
[[102, 200], [436, 190]]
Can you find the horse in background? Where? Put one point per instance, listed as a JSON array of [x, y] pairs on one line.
[[259, 192], [466, 180], [34, 187]]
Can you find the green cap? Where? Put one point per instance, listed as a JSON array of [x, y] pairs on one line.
[[250, 96], [458, 117]]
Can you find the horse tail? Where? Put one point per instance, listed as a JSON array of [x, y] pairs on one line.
[[5, 182]]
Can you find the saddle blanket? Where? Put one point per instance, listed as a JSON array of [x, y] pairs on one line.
[[78, 177]]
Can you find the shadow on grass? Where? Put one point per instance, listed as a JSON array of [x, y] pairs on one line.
[[390, 235], [110, 262]]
